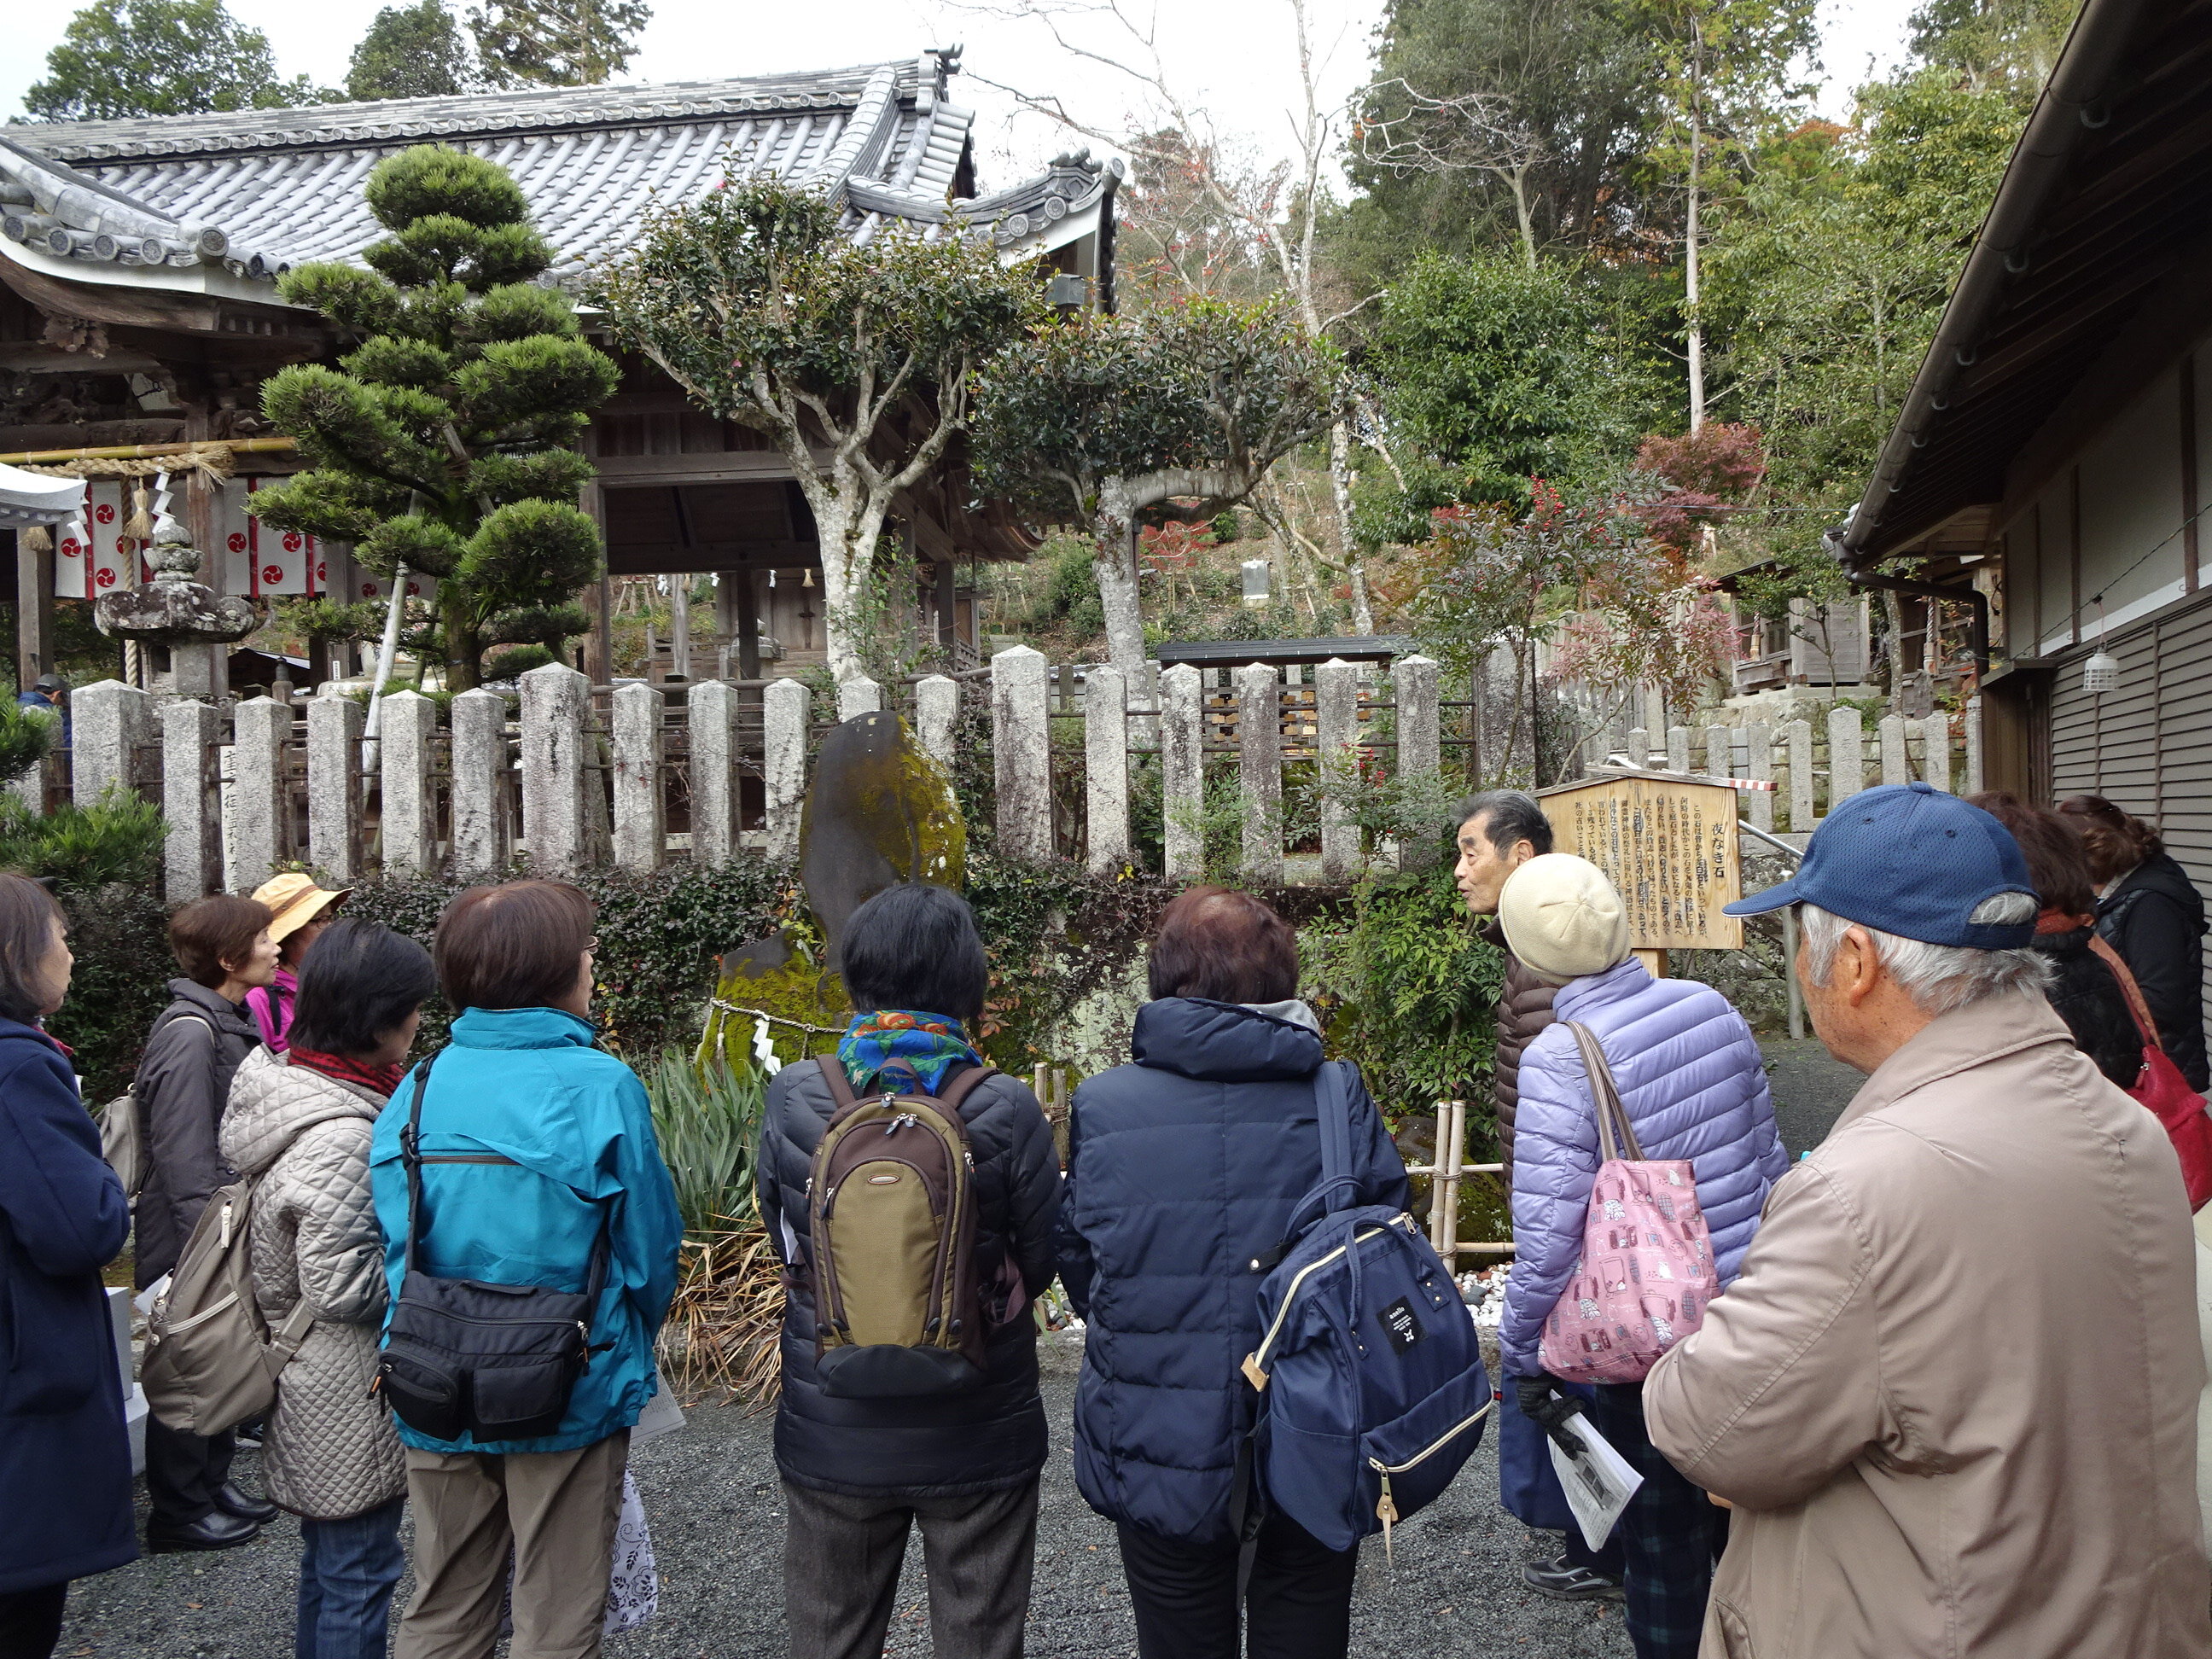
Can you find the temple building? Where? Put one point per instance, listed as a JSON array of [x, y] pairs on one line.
[[138, 316]]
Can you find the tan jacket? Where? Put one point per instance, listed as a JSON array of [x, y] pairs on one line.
[[1954, 1393]]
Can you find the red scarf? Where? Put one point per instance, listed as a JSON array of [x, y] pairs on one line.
[[378, 1079], [2054, 921]]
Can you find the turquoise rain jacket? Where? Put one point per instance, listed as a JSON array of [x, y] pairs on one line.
[[526, 1083]]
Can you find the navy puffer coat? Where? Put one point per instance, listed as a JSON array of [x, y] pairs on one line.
[[941, 1446], [1182, 1167]]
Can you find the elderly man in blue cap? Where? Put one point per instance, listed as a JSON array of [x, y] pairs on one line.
[[1952, 1395]]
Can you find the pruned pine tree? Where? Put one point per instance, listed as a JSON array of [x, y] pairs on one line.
[[443, 442], [1099, 420], [854, 360], [557, 43]]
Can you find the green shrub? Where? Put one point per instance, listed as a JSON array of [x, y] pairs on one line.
[[708, 1123], [115, 840]]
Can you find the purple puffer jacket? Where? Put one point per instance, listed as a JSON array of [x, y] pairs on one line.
[[1690, 1078]]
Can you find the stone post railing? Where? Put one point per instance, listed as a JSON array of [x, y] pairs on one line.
[[554, 700], [1259, 771], [1420, 743], [1021, 753], [192, 849], [937, 717], [1846, 755], [641, 824], [334, 729], [258, 836], [787, 707], [856, 698], [1182, 771], [407, 741], [108, 721], [1106, 768], [711, 708], [479, 795], [1336, 722]]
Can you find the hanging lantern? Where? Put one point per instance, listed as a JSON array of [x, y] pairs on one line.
[[2100, 673]]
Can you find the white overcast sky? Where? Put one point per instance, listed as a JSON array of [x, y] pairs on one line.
[[1235, 54]]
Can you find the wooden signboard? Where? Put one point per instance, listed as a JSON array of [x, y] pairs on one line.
[[1669, 844]]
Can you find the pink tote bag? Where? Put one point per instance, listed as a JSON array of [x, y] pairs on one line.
[[1646, 1270]]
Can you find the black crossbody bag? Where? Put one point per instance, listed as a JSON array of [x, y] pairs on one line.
[[461, 1357]]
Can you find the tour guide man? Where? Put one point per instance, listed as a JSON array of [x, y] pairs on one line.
[[1953, 1396]]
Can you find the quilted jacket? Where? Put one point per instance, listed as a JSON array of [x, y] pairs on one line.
[[1181, 1168], [329, 1449], [986, 1439], [1690, 1081]]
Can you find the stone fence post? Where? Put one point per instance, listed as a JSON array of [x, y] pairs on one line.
[[711, 708], [554, 700], [334, 728], [1420, 747], [1846, 755], [1801, 816], [1759, 742], [1182, 771], [1106, 767], [640, 825], [258, 833], [1021, 746], [1259, 771], [478, 796], [937, 717], [192, 850], [1896, 764], [1336, 719], [786, 708], [108, 721], [857, 698], [408, 738]]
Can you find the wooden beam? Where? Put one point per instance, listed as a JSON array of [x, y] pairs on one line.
[[665, 558], [725, 466]]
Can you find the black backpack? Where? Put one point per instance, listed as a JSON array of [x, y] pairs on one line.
[[462, 1357]]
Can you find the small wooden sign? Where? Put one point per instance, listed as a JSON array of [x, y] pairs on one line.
[[1669, 844]]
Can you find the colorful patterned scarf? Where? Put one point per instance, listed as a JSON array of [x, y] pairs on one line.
[[928, 1043]]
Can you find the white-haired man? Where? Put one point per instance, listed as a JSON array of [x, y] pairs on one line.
[[1952, 1395]]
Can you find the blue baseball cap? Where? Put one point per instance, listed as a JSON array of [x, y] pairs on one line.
[[1910, 860]]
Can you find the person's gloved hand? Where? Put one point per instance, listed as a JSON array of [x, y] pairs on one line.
[[1543, 1403]]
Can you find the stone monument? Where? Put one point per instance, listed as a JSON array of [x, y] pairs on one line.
[[183, 625]]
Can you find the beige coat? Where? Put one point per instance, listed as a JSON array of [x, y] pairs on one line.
[[1954, 1393], [329, 1449]]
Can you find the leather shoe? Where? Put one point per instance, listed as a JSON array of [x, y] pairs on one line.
[[244, 1505], [1565, 1582], [213, 1531]]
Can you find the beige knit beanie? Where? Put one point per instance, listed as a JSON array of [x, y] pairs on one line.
[[1563, 918]]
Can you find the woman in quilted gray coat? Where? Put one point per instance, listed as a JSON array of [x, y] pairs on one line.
[[300, 1123]]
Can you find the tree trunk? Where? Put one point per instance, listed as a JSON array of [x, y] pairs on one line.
[[847, 531], [1347, 549], [1690, 275], [463, 642]]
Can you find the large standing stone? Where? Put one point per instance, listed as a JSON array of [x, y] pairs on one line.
[[191, 852], [334, 727], [553, 826], [880, 811], [1022, 753], [641, 827], [1259, 771], [711, 711], [1336, 710], [1182, 770], [408, 735], [259, 831], [1106, 767], [479, 787], [787, 707]]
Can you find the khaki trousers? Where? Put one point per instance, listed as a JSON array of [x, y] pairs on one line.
[[554, 1511]]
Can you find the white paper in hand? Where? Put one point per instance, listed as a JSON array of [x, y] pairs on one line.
[[1598, 1480]]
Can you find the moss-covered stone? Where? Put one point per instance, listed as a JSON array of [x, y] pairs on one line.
[[880, 812]]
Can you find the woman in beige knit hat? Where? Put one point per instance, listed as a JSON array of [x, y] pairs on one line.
[[1692, 1087]]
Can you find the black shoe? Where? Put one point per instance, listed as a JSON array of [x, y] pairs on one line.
[[244, 1505], [1565, 1582], [212, 1531]]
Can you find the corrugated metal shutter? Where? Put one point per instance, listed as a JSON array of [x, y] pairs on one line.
[[2147, 744]]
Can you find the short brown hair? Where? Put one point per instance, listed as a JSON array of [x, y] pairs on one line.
[[211, 936], [28, 916], [2115, 840], [2057, 866], [1224, 946], [515, 945]]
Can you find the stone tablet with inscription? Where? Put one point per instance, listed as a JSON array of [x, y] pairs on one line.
[[1668, 844]]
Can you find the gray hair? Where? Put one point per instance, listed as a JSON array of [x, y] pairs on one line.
[[1508, 816], [1938, 978]]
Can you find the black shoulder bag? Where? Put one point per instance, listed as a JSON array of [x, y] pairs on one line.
[[495, 1362]]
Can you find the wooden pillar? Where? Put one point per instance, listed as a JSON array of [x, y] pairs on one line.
[[34, 608], [748, 623]]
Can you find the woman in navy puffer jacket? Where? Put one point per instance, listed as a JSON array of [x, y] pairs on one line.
[[1691, 1082], [1183, 1168]]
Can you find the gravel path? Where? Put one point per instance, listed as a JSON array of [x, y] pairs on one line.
[[713, 1504]]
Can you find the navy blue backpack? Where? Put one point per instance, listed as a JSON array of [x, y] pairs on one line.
[[1372, 1390]]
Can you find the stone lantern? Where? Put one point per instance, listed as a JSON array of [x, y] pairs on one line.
[[184, 625]]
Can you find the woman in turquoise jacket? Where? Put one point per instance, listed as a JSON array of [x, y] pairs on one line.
[[533, 1140]]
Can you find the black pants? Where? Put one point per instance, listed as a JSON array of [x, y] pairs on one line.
[[1297, 1604], [841, 1557], [31, 1621], [1671, 1535], [183, 1472]]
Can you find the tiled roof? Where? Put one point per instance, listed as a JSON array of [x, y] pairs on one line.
[[263, 189]]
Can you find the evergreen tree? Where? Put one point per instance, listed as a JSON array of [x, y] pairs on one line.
[[411, 51], [121, 58], [443, 441], [557, 43]]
